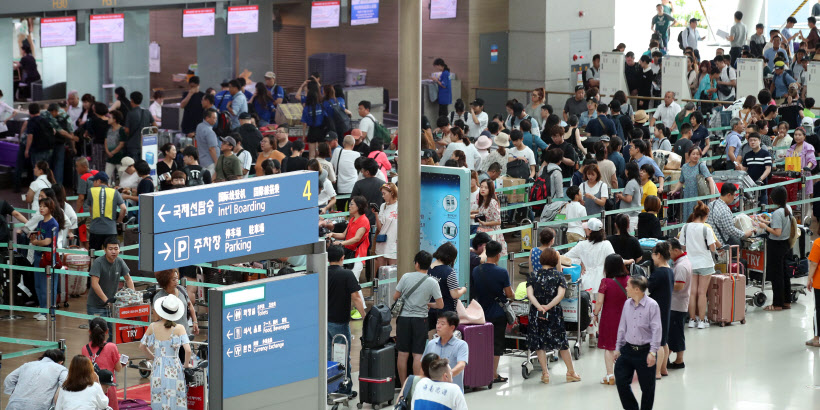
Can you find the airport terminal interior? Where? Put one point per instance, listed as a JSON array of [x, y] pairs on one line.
[[280, 204]]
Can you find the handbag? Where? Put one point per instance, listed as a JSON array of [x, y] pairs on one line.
[[703, 183], [505, 304], [405, 400], [518, 169], [383, 237], [398, 305], [47, 257], [793, 163]]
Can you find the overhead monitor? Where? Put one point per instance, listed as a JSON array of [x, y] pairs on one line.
[[364, 12], [325, 14], [58, 31], [243, 19], [106, 28], [198, 22], [443, 9]]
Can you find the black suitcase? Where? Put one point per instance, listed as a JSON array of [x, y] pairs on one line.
[[376, 327], [377, 370]]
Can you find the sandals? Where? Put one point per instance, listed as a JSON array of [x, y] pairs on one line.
[[575, 377], [608, 379], [772, 308], [545, 378], [812, 343], [499, 379]]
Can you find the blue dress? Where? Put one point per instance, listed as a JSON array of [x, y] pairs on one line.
[[168, 388], [688, 177], [535, 260]]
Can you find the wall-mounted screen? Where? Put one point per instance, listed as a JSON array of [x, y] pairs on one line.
[[364, 12], [325, 14], [443, 9], [198, 22], [58, 31], [106, 28], [243, 19]]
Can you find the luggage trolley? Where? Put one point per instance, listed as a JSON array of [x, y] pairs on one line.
[[754, 252], [338, 378], [518, 331], [571, 305]]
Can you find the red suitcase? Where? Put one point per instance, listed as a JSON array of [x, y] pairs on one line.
[[791, 189], [727, 294], [479, 370]]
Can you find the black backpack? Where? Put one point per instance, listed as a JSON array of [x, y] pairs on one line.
[[680, 40], [376, 327], [223, 125], [194, 176], [340, 119], [46, 132]]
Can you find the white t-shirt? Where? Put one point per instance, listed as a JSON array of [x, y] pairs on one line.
[[346, 175], [727, 74], [476, 129], [129, 180], [326, 193], [592, 255], [575, 210], [37, 185], [433, 395], [6, 112], [92, 398], [246, 161], [156, 111], [388, 215], [368, 126], [524, 153], [691, 236]]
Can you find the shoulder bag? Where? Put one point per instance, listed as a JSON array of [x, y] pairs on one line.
[[505, 304], [398, 305], [405, 400], [622, 286], [382, 237]]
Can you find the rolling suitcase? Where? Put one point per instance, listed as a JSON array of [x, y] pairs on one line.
[[479, 370], [387, 278], [791, 189], [335, 376], [76, 285], [377, 368], [726, 296]]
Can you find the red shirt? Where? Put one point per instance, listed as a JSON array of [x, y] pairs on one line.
[[108, 358], [363, 245]]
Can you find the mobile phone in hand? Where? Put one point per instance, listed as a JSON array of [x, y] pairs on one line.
[[543, 315], [123, 359]]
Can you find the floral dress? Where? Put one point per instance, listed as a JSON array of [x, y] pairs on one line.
[[688, 177], [535, 259], [168, 388], [549, 334], [493, 213]]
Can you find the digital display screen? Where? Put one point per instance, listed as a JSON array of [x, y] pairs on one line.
[[198, 22], [243, 19], [443, 9], [106, 28], [364, 12], [58, 31], [324, 14]]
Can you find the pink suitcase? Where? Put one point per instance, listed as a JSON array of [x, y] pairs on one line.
[[727, 294], [479, 370]]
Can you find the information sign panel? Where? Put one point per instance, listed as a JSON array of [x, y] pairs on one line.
[[325, 14], [443, 9], [58, 31], [243, 19], [364, 12], [198, 22], [106, 28]]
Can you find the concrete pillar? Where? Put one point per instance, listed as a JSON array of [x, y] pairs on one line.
[[129, 60], [85, 77], [214, 53], [754, 11], [255, 50], [409, 130], [7, 42]]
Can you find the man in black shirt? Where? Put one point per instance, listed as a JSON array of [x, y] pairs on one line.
[[369, 187], [194, 173], [40, 136], [192, 104], [138, 118], [477, 251], [645, 78], [295, 162], [632, 72], [342, 289], [684, 143], [251, 137], [5, 210], [570, 156]]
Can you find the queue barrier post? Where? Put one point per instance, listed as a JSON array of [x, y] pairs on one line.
[[50, 303], [10, 270]]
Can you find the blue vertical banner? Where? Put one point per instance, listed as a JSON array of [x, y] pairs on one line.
[[150, 154], [445, 214], [364, 12]]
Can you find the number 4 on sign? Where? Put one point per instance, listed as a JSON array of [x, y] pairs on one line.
[[306, 193]]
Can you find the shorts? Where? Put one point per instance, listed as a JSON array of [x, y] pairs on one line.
[[411, 334], [315, 134], [499, 330], [704, 271]]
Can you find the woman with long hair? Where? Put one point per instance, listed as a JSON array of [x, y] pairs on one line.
[[807, 155], [688, 180], [33, 385], [387, 224], [105, 355], [691, 74], [698, 240], [162, 341], [545, 290], [122, 103], [115, 140], [779, 230], [314, 121], [167, 166], [263, 104], [43, 178], [631, 195], [745, 113], [81, 389], [607, 312], [489, 213], [46, 233], [594, 192], [707, 85], [356, 237], [445, 89], [623, 243], [661, 285]]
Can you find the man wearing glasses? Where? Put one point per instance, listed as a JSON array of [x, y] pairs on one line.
[[720, 217]]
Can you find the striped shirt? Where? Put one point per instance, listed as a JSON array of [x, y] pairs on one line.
[[756, 163]]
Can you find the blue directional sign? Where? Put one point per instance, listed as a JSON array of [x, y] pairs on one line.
[[178, 209], [269, 335], [228, 240]]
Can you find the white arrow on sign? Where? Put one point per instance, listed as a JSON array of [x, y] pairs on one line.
[[161, 213], [167, 251], [229, 353], [230, 334], [230, 316]]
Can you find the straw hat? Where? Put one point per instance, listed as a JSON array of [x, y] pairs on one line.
[[641, 117], [502, 140], [169, 308]]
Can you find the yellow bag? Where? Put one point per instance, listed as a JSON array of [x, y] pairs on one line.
[[793, 163]]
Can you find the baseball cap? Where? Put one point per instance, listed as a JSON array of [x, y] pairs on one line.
[[245, 116], [779, 64], [126, 162], [593, 225], [605, 138], [331, 136], [579, 87], [693, 20], [101, 176], [229, 140], [478, 102], [270, 74], [106, 377]]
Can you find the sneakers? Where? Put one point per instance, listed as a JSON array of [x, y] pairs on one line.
[[355, 315], [674, 365], [703, 324], [692, 323], [40, 317]]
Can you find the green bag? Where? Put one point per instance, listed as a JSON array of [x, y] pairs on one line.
[[380, 132]]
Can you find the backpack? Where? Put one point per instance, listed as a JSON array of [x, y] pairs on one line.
[[94, 356], [541, 189], [47, 132], [194, 177], [380, 132], [223, 125], [680, 40], [619, 129], [376, 327], [340, 119]]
